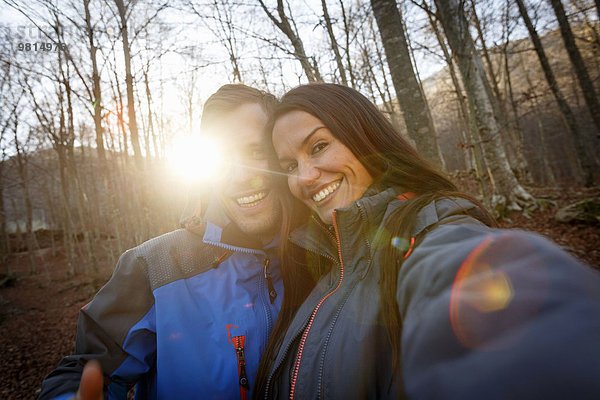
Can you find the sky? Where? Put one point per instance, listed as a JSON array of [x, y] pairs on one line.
[[172, 77]]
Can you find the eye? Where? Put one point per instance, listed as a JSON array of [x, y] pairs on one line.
[[290, 167], [318, 147]]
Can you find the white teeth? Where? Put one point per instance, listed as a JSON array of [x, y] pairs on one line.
[[249, 201], [325, 192]]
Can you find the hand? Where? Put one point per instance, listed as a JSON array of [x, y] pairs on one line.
[[92, 382]]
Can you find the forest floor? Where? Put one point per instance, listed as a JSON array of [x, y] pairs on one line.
[[38, 313]]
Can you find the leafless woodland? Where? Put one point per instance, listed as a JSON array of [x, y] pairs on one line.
[[94, 92]]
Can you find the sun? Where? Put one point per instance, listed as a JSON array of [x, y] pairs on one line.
[[196, 158]]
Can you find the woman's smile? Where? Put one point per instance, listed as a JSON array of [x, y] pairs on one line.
[[324, 195], [322, 172]]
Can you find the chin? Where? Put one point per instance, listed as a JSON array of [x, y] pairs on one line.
[[326, 216], [263, 222]]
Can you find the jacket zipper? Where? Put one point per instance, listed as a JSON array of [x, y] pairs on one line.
[[270, 286], [289, 346], [239, 343], [263, 300], [291, 342], [365, 225], [234, 248], [296, 367]]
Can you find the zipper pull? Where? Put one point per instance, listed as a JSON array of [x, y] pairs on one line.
[[242, 364], [270, 286], [238, 343]]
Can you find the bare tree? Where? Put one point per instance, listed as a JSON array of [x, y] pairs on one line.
[[347, 41], [408, 92], [510, 138], [283, 24], [452, 17], [5, 90], [548, 175], [133, 129], [585, 82], [565, 109], [222, 25], [22, 161], [334, 44], [97, 93], [473, 155]]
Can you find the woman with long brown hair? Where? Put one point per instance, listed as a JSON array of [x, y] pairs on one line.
[[398, 285]]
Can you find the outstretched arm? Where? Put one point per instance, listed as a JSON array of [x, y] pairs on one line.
[[498, 314]]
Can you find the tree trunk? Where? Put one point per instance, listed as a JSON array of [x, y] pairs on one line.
[[585, 82], [133, 129], [23, 183], [97, 100], [565, 109], [547, 171], [468, 147], [347, 40], [486, 55], [408, 93], [68, 236], [4, 239], [514, 127], [452, 18], [509, 136], [82, 210], [311, 71], [334, 44], [53, 216], [150, 122]]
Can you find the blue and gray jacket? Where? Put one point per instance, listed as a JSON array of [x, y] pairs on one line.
[[185, 315], [486, 313]]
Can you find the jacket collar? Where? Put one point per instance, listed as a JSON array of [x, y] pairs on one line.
[[367, 211], [358, 222]]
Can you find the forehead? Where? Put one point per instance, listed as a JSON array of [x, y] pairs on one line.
[[291, 129], [244, 125]]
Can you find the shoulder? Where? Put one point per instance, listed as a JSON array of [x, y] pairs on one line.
[[174, 255], [444, 210]]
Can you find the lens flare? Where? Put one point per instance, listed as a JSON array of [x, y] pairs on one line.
[[400, 243], [196, 159], [497, 292]]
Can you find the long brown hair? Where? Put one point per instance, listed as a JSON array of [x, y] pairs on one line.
[[392, 162]]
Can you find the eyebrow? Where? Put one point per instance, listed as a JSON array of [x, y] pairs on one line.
[[307, 138], [304, 141]]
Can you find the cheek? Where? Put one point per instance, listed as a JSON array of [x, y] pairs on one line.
[[294, 187]]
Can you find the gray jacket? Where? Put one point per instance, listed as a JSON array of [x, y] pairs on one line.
[[486, 313]]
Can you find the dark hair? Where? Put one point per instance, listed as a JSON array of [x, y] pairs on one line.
[[392, 162], [229, 97]]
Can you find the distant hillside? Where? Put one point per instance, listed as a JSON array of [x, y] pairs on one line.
[[536, 106]]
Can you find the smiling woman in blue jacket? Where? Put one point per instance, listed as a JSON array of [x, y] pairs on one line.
[[411, 291]]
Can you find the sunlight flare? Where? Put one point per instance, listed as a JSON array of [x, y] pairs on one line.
[[196, 158]]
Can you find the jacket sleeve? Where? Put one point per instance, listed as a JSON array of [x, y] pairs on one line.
[[117, 328], [497, 314]]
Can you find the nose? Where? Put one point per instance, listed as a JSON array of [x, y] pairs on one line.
[[308, 174], [239, 172]]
